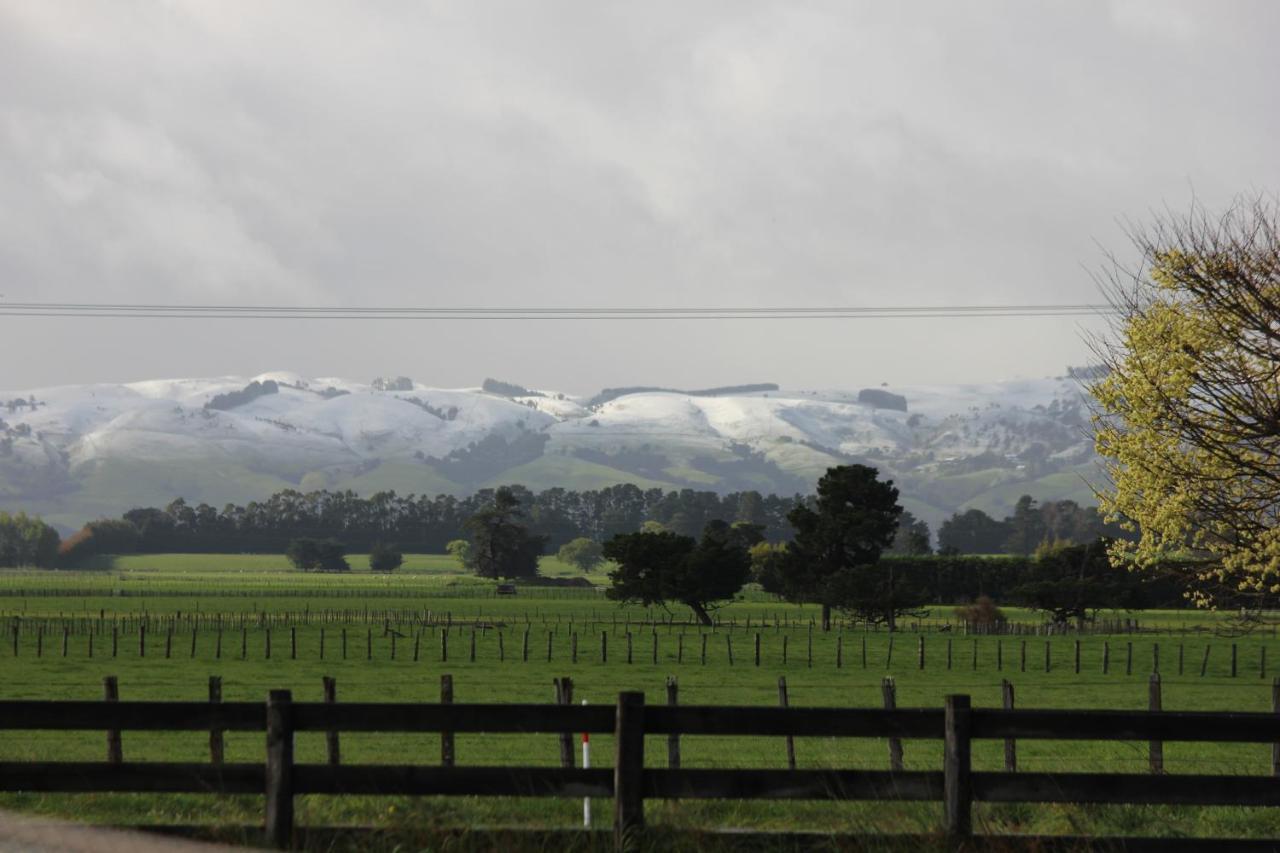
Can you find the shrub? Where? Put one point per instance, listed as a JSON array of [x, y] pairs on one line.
[[384, 558], [983, 611]]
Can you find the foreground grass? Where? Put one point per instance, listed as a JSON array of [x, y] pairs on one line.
[[254, 584]]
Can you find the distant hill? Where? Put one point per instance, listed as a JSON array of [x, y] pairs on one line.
[[77, 452]]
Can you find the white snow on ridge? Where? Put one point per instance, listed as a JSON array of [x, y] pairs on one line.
[[300, 425]]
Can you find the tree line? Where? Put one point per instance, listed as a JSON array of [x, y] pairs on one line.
[[427, 524]]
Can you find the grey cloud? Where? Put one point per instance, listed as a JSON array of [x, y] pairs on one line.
[[567, 153]]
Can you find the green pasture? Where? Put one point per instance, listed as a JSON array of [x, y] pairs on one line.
[[256, 596]]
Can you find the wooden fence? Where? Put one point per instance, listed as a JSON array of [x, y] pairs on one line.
[[629, 782]]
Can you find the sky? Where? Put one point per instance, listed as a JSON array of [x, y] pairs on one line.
[[604, 154]]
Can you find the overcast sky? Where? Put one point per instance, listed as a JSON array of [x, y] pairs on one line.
[[603, 154]]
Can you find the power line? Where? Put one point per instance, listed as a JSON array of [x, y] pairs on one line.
[[302, 312]]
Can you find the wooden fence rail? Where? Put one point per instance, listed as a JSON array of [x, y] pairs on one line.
[[955, 785]]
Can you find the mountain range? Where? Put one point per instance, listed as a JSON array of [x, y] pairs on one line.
[[77, 452]]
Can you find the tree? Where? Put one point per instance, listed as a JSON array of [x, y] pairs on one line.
[[912, 537], [972, 532], [1026, 527], [582, 553], [1187, 417], [501, 546], [1070, 581], [26, 541], [384, 558], [325, 555], [767, 559], [460, 550], [833, 558], [655, 568]]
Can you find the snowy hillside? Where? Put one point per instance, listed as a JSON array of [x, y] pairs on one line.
[[72, 452]]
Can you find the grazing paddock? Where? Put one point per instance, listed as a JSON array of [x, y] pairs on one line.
[[153, 622]]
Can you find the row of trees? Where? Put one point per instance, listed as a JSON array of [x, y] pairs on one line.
[[27, 541], [427, 524]]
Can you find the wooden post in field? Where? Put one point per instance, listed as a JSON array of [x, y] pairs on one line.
[[90, 636], [446, 737], [1233, 660], [604, 646], [864, 651], [502, 649], [888, 655], [1262, 661], [322, 646], [629, 647], [1180, 650], [111, 693], [194, 633], [1010, 744], [66, 638], [999, 655], [704, 649], [810, 653], [142, 639], [333, 746], [279, 769], [115, 641], [948, 653], [1204, 662], [1046, 655], [368, 644], [1155, 747], [1022, 656], [673, 740], [444, 645], [839, 650], [728, 641], [1128, 658], [564, 696], [472, 653], [244, 643], [757, 649], [293, 644], [215, 734], [628, 771], [783, 702], [654, 638], [573, 647], [1106, 656], [1077, 657], [975, 655], [889, 692], [1155, 657], [1275, 709], [920, 651], [957, 790], [550, 636]]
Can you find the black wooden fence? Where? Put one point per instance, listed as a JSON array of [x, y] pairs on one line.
[[956, 785]]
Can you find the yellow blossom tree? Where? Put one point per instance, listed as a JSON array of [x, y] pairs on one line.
[[1187, 418]]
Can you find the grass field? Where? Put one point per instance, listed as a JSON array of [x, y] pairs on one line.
[[256, 594]]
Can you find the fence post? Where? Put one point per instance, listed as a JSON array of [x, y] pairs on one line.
[[1077, 657], [1204, 662], [1275, 708], [1233, 660], [889, 691], [728, 641], [215, 734], [757, 649], [1156, 747], [1106, 656], [783, 703], [564, 696], [446, 737], [1010, 745], [957, 791], [1128, 658], [604, 646], [704, 649], [673, 740], [628, 771], [332, 745], [111, 693], [279, 770]]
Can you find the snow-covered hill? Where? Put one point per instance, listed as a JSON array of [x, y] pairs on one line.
[[75, 451]]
